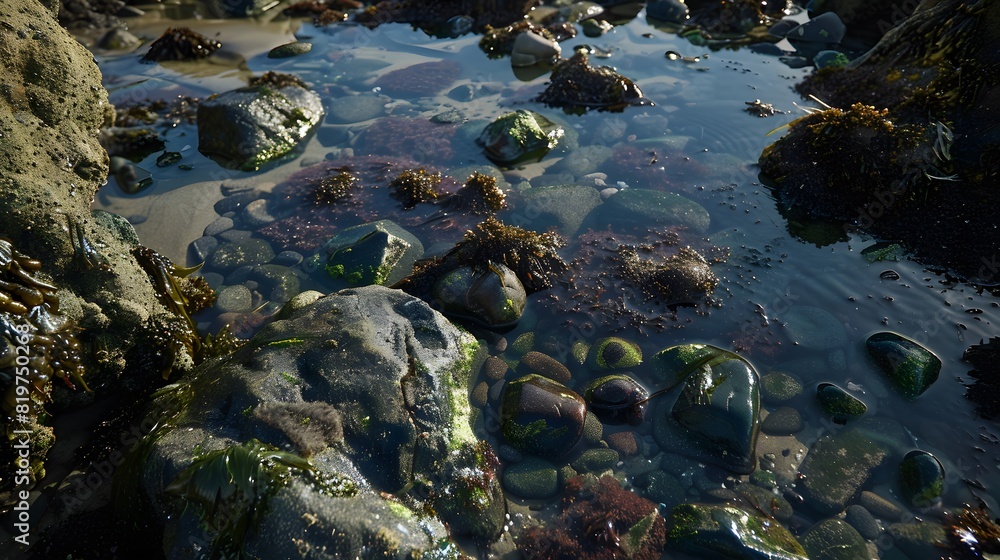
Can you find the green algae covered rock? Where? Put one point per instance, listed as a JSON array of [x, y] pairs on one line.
[[839, 404], [716, 530], [638, 208], [541, 416], [716, 418], [374, 253], [491, 295], [838, 466], [251, 126], [613, 353], [911, 367], [371, 386], [519, 136], [834, 539], [921, 478]]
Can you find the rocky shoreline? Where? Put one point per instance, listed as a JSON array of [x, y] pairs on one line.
[[366, 422]]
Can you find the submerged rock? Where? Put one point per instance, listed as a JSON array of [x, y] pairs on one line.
[[519, 136], [717, 415], [834, 539], [250, 126], [374, 253], [839, 465], [730, 531], [492, 295], [921, 478], [910, 367], [541, 416], [617, 398], [839, 404]]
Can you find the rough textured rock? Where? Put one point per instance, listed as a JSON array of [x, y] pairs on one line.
[[52, 104], [248, 127], [396, 372]]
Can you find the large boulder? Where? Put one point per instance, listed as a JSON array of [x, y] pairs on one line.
[[371, 384], [52, 105]]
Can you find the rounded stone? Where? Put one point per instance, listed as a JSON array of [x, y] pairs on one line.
[[494, 368], [613, 353], [909, 366], [256, 214], [531, 48], [880, 507], [839, 404], [234, 299], [623, 442], [921, 478], [287, 258], [863, 522], [479, 394], [834, 539], [290, 49], [718, 410], [617, 398], [541, 416], [596, 460], [782, 422], [352, 109], [492, 296], [777, 387], [532, 478], [250, 251], [218, 226], [593, 430], [663, 488], [542, 364]]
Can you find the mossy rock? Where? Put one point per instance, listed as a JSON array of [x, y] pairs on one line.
[[728, 531], [910, 367]]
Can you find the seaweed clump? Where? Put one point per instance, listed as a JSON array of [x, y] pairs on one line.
[[479, 196], [972, 534], [180, 43], [599, 520], [413, 186], [684, 278], [861, 154], [230, 487], [333, 189], [576, 87], [37, 344], [277, 80], [937, 72], [624, 282]]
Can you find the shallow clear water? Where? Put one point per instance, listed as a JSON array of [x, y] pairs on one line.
[[769, 271]]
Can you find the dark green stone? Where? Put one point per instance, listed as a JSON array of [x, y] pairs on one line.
[[911, 367], [921, 478], [725, 531], [838, 403], [613, 353], [720, 407], [834, 539], [541, 416]]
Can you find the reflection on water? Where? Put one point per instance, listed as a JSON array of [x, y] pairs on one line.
[[697, 141]]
